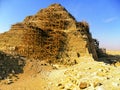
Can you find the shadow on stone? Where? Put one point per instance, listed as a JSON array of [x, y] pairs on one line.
[[10, 64], [110, 59]]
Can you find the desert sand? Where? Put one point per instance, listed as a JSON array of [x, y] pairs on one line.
[[87, 75]]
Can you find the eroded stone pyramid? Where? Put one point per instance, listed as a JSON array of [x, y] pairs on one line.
[[52, 34]]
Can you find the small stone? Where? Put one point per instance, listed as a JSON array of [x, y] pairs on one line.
[[69, 89], [62, 87], [108, 78], [83, 85], [74, 81], [59, 84], [9, 81], [97, 84], [89, 68], [117, 64]]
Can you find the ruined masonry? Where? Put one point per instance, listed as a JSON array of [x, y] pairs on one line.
[[52, 34]]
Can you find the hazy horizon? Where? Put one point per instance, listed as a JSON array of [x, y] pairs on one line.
[[103, 16]]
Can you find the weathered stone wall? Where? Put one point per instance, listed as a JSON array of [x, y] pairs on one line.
[[52, 34]]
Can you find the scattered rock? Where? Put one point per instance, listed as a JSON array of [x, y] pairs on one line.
[[117, 64], [8, 81], [62, 87], [95, 84], [83, 85], [74, 81], [59, 84]]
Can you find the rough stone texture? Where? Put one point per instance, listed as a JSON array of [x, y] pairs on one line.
[[10, 65], [83, 85], [52, 34]]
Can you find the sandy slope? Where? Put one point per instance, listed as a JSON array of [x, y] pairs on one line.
[[87, 75]]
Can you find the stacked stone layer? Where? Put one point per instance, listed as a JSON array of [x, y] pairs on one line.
[[52, 34]]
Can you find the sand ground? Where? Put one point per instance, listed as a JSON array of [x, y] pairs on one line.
[[87, 75]]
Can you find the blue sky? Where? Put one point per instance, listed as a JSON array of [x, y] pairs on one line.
[[103, 16]]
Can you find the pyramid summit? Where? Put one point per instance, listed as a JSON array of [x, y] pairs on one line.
[[53, 35], [55, 15]]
